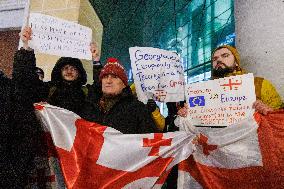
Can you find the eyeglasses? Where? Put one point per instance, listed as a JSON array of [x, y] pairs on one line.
[[69, 67]]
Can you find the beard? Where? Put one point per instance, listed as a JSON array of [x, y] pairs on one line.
[[222, 72]]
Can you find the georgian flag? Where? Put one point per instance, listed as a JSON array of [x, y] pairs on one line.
[[96, 156], [249, 154]]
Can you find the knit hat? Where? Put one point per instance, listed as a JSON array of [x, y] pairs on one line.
[[114, 67], [233, 50], [238, 70]]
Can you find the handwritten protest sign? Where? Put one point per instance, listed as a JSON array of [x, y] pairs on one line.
[[56, 36], [158, 74], [221, 102]]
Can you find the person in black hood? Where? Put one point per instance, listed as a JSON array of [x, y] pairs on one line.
[[67, 79], [68, 76]]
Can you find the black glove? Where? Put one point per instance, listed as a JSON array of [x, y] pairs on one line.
[[151, 105]]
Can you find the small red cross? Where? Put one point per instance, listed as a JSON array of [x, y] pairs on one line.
[[156, 143], [231, 84], [202, 140]]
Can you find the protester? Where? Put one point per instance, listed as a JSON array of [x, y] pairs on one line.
[[154, 109], [7, 168], [20, 133], [68, 76], [66, 87], [226, 62], [118, 107], [40, 73]]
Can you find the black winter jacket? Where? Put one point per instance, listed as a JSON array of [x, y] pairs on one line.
[[128, 115], [56, 92], [20, 132]]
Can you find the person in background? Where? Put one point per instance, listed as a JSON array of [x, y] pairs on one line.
[[21, 133], [226, 62], [40, 73], [117, 107], [154, 109]]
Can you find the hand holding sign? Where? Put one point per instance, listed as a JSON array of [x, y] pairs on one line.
[[95, 52], [262, 108], [25, 36], [183, 112]]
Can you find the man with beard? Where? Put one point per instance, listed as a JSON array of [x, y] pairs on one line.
[[226, 62], [117, 107]]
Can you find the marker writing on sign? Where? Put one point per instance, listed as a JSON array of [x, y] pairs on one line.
[[239, 99]]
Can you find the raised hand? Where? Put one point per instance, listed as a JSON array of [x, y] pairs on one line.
[[25, 36], [95, 51], [262, 108]]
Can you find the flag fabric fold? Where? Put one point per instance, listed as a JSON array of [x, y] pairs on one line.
[[96, 156], [248, 154]]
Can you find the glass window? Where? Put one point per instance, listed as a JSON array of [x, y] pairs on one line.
[[193, 29]]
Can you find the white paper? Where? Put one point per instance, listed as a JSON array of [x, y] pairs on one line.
[[51, 35], [221, 102], [158, 74]]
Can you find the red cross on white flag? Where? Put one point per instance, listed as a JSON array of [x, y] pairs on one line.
[[96, 156], [247, 154]]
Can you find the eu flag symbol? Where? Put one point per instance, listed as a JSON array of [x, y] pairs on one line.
[[196, 101]]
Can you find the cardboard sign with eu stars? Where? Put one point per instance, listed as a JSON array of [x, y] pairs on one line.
[[221, 102]]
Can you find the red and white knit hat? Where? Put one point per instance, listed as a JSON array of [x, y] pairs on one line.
[[114, 67]]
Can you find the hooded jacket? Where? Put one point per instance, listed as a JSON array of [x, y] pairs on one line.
[[68, 95]]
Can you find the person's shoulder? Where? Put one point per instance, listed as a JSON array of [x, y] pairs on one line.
[[262, 82]]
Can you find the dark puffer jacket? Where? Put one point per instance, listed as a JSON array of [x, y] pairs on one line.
[[128, 115]]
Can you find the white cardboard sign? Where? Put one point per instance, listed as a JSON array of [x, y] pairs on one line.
[[158, 74], [51, 35], [221, 102]]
